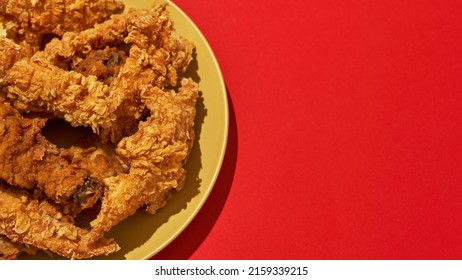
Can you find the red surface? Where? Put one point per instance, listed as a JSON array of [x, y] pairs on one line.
[[345, 133]]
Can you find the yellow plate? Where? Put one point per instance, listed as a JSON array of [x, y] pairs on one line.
[[141, 236]]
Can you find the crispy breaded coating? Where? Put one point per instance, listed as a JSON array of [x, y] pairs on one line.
[[41, 224], [122, 75], [156, 154], [49, 80], [28, 160], [10, 52], [98, 158], [10, 250], [31, 20], [33, 86]]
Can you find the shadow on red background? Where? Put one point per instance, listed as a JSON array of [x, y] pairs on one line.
[[193, 236]]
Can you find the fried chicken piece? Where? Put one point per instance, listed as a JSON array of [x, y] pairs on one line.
[[150, 32], [28, 160], [40, 224], [156, 154], [11, 251], [33, 21], [49, 81], [33, 86]]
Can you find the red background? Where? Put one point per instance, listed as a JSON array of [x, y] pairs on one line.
[[345, 131]]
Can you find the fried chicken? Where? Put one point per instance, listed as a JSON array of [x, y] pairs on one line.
[[122, 75], [156, 154], [41, 224], [35, 21], [50, 80], [28, 160], [10, 250]]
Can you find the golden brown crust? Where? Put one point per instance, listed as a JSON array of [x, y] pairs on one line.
[[41, 224], [99, 158], [123, 78], [156, 154], [10, 53], [28, 160], [30, 20], [156, 56], [10, 250]]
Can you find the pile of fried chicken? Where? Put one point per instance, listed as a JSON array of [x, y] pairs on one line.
[[90, 64]]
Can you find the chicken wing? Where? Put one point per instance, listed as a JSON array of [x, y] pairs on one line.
[[40, 224], [29, 160], [156, 154]]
